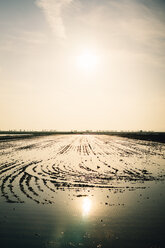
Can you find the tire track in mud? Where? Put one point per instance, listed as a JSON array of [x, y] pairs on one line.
[[36, 169]]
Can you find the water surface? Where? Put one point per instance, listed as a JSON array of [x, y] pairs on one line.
[[82, 191]]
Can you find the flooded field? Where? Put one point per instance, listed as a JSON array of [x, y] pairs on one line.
[[82, 191]]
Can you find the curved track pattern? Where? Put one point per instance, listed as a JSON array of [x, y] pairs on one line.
[[38, 167]]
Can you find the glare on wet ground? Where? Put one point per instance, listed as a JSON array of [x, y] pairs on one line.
[[82, 191]]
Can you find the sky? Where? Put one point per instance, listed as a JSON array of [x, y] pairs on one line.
[[82, 65]]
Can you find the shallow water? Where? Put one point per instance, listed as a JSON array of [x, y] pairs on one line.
[[82, 191]]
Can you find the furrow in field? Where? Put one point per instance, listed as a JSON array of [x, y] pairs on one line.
[[37, 168]]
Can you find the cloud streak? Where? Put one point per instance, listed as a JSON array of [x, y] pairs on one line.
[[53, 11]]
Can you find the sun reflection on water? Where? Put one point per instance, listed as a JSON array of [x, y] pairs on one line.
[[86, 206]]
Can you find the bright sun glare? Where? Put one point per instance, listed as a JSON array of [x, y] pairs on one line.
[[87, 60], [86, 206]]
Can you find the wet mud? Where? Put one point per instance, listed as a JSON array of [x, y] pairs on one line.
[[35, 169]]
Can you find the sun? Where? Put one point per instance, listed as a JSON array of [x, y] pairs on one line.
[[87, 60]]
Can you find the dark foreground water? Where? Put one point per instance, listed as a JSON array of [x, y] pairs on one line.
[[82, 191], [88, 218]]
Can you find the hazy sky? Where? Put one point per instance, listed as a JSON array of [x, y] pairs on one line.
[[43, 85]]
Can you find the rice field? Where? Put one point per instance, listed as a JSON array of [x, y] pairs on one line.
[[65, 173]]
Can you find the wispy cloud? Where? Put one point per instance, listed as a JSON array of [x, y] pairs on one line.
[[53, 10]]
